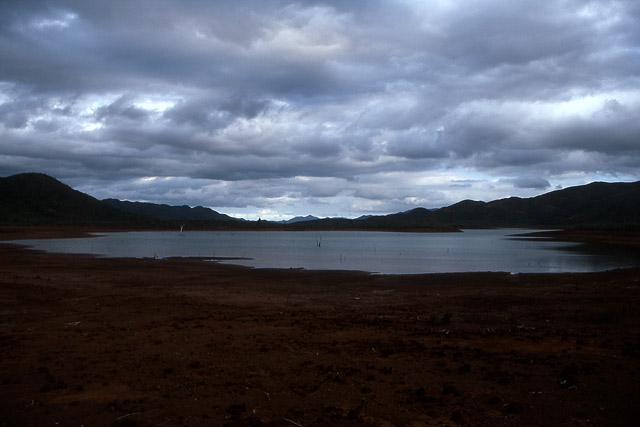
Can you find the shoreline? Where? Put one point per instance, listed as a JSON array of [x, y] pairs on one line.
[[608, 237], [57, 232], [142, 342], [622, 239], [630, 238]]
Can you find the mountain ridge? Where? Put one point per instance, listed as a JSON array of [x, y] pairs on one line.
[[299, 219], [168, 212], [38, 199]]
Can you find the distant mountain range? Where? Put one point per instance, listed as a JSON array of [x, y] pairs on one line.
[[38, 199], [595, 205], [169, 213], [300, 219]]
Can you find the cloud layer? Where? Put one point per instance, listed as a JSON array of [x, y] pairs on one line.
[[278, 108]]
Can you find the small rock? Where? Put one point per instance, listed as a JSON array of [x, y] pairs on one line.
[[450, 389], [514, 408]]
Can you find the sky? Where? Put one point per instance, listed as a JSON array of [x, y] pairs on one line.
[[272, 109]]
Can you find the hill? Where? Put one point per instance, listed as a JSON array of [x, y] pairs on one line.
[[170, 213], [300, 219], [597, 205], [38, 199]]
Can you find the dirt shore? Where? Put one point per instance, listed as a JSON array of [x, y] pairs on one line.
[[89, 341]]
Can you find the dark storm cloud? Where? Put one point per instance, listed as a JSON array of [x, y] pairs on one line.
[[199, 112], [418, 144], [531, 182], [307, 104], [211, 112], [121, 108], [612, 129]]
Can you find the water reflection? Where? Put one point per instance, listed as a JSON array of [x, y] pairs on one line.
[[382, 252]]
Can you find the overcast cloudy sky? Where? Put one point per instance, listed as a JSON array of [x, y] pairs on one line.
[[272, 109]]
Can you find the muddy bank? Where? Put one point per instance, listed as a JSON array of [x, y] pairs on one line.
[[89, 341], [630, 238]]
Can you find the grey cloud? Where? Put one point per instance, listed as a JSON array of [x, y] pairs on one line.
[[320, 187], [531, 182], [473, 135], [231, 96], [613, 129], [47, 126], [244, 106], [515, 33], [461, 183], [17, 111], [418, 144], [121, 108], [216, 111], [200, 112], [12, 118], [318, 147]]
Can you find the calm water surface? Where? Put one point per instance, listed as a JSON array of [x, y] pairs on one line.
[[380, 252]]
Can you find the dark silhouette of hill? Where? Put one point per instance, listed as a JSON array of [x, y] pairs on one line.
[[170, 213], [38, 199], [299, 219], [413, 220], [597, 205]]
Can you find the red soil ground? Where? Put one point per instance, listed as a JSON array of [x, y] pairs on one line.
[[89, 341]]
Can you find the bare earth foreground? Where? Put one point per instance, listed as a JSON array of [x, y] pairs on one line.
[[87, 341]]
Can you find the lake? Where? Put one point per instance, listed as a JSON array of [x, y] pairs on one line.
[[377, 252]]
